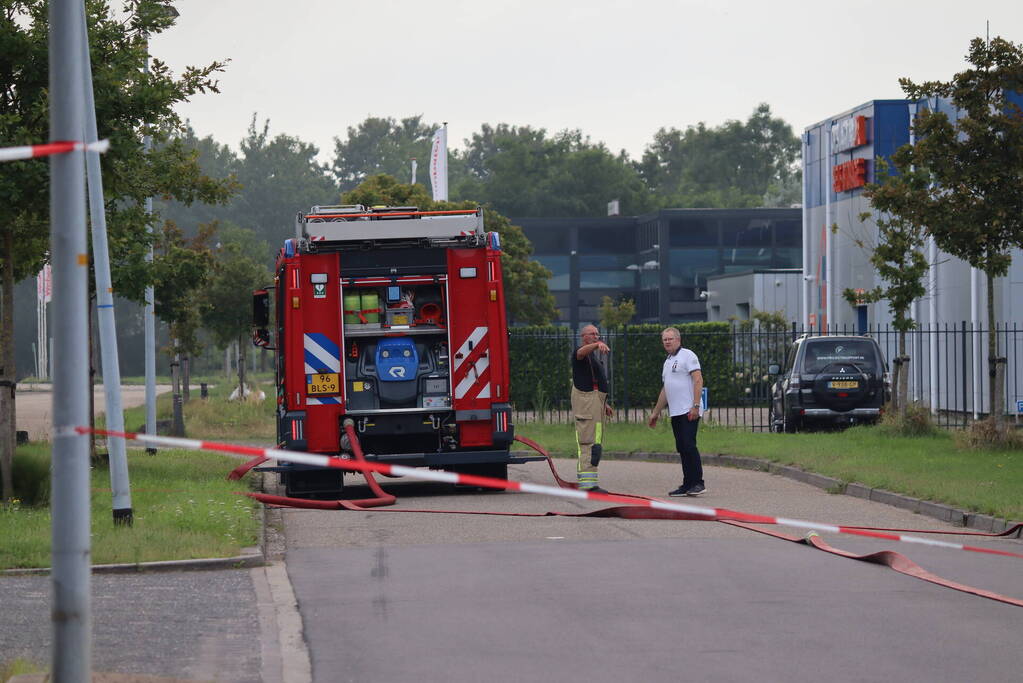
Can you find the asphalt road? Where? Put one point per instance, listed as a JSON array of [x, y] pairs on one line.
[[408, 596]]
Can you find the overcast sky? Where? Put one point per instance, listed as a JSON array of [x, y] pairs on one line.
[[616, 69]]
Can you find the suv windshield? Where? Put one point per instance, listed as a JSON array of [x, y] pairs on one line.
[[820, 354]]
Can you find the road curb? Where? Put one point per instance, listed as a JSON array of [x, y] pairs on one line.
[[927, 508], [255, 556], [252, 557]]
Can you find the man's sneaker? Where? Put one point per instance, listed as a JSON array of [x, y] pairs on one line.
[[596, 489], [696, 490], [680, 491]]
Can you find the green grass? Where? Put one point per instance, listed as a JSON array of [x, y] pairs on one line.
[[215, 418], [926, 467], [183, 508], [17, 667]]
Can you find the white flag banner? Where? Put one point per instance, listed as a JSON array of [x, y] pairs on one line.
[[44, 284], [439, 165]]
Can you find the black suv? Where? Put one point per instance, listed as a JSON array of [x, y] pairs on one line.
[[829, 379]]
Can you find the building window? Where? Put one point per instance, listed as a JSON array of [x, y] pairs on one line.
[[607, 279], [559, 267], [616, 261], [694, 232], [788, 233], [690, 267]]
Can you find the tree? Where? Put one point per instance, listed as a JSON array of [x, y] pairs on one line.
[[971, 197], [898, 259], [215, 160], [616, 314], [279, 177], [227, 305], [382, 146], [735, 165], [525, 281], [128, 102], [521, 171]]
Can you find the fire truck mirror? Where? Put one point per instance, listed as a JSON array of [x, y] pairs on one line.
[[261, 308]]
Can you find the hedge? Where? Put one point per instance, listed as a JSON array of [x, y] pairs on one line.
[[541, 374]]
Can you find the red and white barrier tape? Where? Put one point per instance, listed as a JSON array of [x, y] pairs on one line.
[[63, 147], [722, 514]]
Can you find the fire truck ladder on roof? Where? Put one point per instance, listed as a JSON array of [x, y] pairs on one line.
[[356, 223]]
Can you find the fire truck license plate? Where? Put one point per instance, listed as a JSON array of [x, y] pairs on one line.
[[327, 383], [843, 385]]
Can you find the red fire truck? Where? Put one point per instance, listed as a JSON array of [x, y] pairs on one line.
[[393, 318]]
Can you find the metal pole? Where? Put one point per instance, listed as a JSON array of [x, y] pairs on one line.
[[975, 322], [119, 482], [932, 255], [828, 260], [806, 235], [149, 313], [71, 614]]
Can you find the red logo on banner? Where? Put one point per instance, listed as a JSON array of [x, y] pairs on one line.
[[850, 175], [861, 131]]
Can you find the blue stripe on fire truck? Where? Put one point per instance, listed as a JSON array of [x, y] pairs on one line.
[[321, 353]]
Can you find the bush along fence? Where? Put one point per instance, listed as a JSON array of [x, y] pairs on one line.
[[948, 371], [541, 374]]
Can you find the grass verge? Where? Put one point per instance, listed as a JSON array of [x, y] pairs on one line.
[[17, 667], [927, 467], [183, 507], [215, 418]]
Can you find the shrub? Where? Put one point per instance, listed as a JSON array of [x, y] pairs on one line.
[[32, 476], [916, 422], [985, 434]]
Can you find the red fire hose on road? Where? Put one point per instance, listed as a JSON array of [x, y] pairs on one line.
[[643, 508]]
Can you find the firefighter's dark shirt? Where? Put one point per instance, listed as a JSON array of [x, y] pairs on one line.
[[587, 371]]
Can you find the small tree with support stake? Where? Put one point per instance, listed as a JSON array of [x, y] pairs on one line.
[[899, 261]]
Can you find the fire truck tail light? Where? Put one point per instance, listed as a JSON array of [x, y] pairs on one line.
[[294, 302], [493, 295]]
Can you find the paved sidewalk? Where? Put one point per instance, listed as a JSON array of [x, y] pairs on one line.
[[201, 625]]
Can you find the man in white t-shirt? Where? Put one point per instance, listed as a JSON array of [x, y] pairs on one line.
[[682, 390]]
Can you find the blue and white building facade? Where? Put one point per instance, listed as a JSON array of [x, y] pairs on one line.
[[839, 157]]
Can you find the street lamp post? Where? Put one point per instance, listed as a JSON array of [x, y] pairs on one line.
[[149, 316]]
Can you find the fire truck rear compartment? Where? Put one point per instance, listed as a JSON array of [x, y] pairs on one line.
[[396, 373]]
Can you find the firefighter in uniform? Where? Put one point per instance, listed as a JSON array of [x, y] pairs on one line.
[[589, 404]]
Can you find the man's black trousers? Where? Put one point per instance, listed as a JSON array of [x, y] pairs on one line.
[[685, 441]]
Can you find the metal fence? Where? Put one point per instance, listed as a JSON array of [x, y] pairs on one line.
[[948, 371]]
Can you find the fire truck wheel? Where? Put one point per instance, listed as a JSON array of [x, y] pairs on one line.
[[497, 470]]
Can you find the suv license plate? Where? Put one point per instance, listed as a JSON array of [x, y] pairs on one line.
[[843, 385], [323, 383]]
